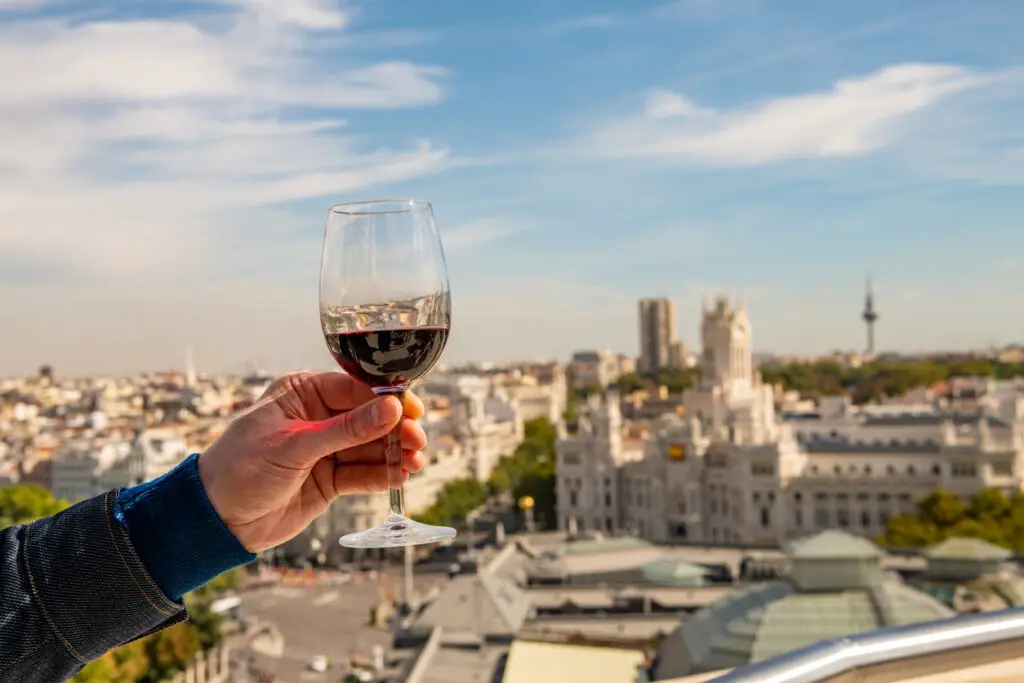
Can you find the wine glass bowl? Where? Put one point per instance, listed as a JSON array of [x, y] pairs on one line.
[[385, 311]]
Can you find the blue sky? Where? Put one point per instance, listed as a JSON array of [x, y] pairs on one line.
[[165, 168]]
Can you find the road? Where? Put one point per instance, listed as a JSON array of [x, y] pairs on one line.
[[333, 621]]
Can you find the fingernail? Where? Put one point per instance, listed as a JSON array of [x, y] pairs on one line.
[[379, 411]]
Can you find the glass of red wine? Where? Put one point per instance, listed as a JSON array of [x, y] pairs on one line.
[[385, 309]]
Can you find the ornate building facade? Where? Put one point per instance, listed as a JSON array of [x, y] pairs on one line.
[[732, 471]]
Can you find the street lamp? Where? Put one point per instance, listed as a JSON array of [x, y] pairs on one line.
[[526, 505]]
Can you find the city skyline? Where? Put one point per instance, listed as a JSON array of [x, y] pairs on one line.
[[170, 189]]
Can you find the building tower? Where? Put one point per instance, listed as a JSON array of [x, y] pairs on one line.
[[657, 333], [728, 358], [870, 316], [190, 368]]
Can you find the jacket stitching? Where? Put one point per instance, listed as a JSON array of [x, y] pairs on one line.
[[113, 540], [174, 607], [42, 604]]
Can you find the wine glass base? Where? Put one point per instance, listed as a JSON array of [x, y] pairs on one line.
[[396, 532]]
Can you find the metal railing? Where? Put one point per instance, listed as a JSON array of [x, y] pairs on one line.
[[830, 658]]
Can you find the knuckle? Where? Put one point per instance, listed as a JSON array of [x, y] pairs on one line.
[[351, 427]]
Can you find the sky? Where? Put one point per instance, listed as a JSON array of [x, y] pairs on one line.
[[166, 168]]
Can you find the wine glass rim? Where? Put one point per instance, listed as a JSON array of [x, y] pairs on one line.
[[370, 207]]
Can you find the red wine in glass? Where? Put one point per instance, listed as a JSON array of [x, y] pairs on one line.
[[388, 360], [385, 311]]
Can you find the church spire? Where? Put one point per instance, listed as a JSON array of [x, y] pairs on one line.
[[870, 315]]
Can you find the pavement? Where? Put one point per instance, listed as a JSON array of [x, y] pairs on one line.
[[328, 620]]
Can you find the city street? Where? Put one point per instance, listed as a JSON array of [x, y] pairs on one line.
[[332, 621]]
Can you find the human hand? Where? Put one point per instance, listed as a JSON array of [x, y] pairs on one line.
[[309, 439]]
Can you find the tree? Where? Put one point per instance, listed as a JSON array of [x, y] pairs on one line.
[[454, 502], [989, 516], [910, 531], [631, 382], [941, 509], [22, 504], [872, 381]]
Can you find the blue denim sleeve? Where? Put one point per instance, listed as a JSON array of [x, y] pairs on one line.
[[176, 531], [72, 588]]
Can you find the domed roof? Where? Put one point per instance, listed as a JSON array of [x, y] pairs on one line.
[[769, 619]]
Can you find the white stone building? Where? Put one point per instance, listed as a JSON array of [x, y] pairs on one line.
[[590, 369], [732, 471]]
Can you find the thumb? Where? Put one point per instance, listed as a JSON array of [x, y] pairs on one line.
[[369, 422]]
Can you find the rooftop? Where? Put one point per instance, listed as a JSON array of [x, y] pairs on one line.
[[837, 589]]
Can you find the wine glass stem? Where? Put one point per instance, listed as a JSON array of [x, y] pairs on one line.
[[393, 461]]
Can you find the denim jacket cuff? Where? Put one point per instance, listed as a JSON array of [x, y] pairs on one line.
[[91, 587]]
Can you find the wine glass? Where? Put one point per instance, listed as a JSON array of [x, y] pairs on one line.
[[385, 310]]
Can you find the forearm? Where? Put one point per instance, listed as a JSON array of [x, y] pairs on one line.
[[106, 572], [71, 588]]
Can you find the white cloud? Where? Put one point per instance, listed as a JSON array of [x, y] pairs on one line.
[[854, 117], [663, 104], [163, 61], [127, 147], [311, 14], [479, 232]]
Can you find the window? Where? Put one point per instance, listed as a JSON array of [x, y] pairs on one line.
[[797, 497], [883, 497], [837, 469], [821, 518], [911, 470], [820, 496], [891, 469], [573, 498], [757, 497], [863, 496], [865, 519], [607, 500], [937, 469], [883, 517], [766, 517], [607, 523], [867, 470], [964, 469], [843, 518], [607, 483], [798, 517]]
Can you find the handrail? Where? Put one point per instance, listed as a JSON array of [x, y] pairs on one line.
[[821, 661]]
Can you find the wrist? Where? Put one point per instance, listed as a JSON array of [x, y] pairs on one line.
[[177, 532]]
